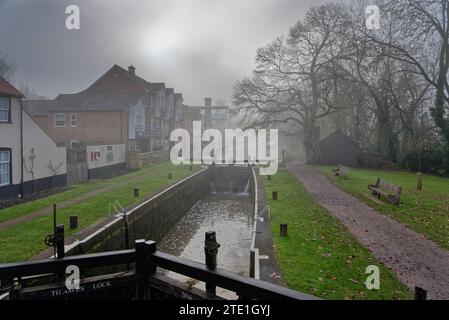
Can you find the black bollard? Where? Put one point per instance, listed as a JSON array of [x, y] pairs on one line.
[[170, 176], [59, 237], [269, 178], [136, 192], [420, 294], [73, 221], [274, 195], [190, 168], [283, 230], [211, 250]]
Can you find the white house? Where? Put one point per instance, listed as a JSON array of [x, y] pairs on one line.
[[30, 160]]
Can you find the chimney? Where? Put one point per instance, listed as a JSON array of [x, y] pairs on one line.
[[132, 70], [208, 102]]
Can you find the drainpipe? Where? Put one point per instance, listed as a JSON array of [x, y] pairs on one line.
[[21, 148]]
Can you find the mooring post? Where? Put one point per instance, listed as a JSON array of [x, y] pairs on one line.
[[283, 230], [73, 221], [420, 294], [275, 195], [143, 266], [59, 235], [211, 250], [419, 185]]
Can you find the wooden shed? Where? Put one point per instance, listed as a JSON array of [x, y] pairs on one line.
[[338, 148]]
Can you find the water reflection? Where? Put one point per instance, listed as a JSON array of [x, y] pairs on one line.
[[230, 216]]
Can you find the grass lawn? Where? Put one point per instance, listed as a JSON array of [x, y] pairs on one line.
[[25, 240], [319, 256], [426, 211]]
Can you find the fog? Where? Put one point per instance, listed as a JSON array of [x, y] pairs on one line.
[[199, 47]]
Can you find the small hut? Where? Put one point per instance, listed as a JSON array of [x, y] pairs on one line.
[[338, 148]]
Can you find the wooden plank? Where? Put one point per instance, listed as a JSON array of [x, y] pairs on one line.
[[243, 286]]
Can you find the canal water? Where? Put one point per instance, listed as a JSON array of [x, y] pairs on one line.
[[230, 214]]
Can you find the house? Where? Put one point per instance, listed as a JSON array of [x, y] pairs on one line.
[[337, 148], [30, 159], [118, 108]]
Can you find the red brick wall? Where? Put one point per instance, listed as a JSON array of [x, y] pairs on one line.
[[93, 127]]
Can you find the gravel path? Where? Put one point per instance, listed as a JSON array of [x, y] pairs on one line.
[[416, 260]]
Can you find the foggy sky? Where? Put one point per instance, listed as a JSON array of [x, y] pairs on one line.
[[199, 47]]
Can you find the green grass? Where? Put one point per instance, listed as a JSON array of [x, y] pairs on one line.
[[320, 256], [426, 211], [25, 240], [75, 191]]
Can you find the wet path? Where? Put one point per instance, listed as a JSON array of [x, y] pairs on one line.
[[231, 217], [415, 260]]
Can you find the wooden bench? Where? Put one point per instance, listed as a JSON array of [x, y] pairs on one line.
[[390, 191], [341, 171]]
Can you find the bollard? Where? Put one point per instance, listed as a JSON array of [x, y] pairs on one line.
[[269, 178], [274, 195], [211, 250], [283, 230], [419, 185], [190, 168], [73, 221], [420, 294], [170, 176], [59, 237], [136, 192]]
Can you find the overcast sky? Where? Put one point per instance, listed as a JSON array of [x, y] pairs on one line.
[[199, 47]]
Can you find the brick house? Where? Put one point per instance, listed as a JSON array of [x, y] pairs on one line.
[[120, 107]]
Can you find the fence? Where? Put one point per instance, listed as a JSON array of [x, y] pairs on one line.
[[154, 157], [146, 259], [76, 173]]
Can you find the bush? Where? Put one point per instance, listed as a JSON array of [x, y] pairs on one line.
[[435, 161]]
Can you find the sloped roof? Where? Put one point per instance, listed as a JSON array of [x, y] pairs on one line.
[[8, 89], [37, 107], [83, 101], [338, 134]]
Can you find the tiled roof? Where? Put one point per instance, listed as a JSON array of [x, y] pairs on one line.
[[8, 89]]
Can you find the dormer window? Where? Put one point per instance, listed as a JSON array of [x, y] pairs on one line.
[[5, 109]]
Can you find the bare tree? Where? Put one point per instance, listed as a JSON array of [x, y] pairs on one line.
[[30, 168], [421, 40], [7, 67], [292, 85]]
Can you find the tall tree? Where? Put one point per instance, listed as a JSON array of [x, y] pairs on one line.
[[293, 82]]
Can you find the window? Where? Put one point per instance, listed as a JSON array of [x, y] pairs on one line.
[[5, 109], [5, 167], [59, 120], [73, 120]]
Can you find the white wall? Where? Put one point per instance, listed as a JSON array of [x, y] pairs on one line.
[[34, 137], [45, 150], [100, 156], [10, 138]]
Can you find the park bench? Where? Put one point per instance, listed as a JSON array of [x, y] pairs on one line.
[[390, 191], [341, 171]]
